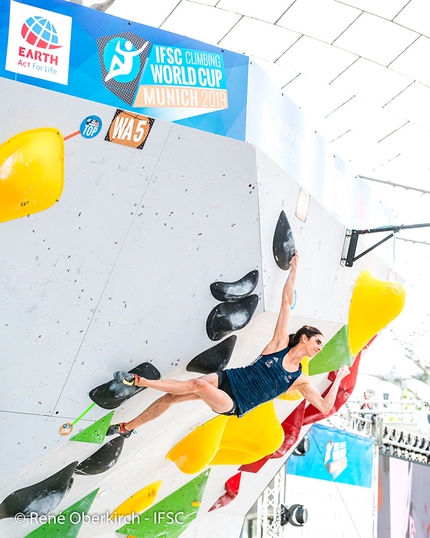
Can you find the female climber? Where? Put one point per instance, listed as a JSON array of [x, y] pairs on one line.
[[236, 391]]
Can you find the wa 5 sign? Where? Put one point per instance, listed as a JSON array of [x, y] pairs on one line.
[[129, 129]]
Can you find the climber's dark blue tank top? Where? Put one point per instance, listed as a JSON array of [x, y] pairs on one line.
[[261, 381]]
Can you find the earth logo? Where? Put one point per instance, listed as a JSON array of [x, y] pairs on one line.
[[39, 32]]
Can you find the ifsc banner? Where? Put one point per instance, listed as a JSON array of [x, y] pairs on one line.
[[68, 48], [335, 455]]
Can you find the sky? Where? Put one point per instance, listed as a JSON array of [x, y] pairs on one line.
[[412, 327]]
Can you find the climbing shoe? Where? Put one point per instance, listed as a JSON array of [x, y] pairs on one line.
[[124, 377], [119, 429]]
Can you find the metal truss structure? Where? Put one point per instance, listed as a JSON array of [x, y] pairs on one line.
[[363, 417], [369, 418]]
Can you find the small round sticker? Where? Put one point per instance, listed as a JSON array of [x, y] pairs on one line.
[[91, 126], [66, 428]]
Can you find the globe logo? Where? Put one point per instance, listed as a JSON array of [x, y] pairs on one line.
[[40, 32]]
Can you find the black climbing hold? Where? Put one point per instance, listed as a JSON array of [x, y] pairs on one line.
[[234, 291], [228, 317], [41, 498], [112, 394], [213, 359], [103, 459], [283, 243]]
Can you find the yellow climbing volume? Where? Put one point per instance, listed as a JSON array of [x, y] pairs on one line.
[[31, 172]]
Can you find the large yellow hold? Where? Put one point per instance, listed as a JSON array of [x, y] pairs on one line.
[[138, 502], [31, 172], [195, 451], [374, 303], [228, 440], [251, 437]]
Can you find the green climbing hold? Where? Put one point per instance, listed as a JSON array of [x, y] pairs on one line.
[[95, 433], [68, 523], [333, 354], [171, 516]]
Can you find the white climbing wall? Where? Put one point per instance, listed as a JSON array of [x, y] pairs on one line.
[[118, 272]]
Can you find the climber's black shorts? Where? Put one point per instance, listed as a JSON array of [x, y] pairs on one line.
[[224, 385]]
